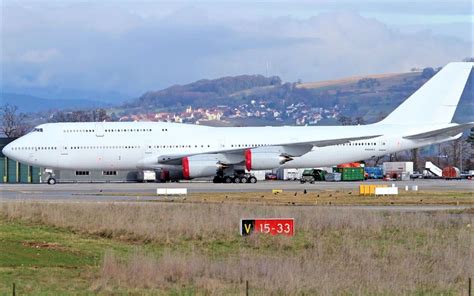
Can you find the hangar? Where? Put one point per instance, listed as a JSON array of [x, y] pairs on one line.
[[14, 172]]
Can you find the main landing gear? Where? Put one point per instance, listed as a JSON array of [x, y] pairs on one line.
[[237, 177]]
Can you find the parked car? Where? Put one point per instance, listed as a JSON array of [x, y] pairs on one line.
[[270, 176], [416, 175]]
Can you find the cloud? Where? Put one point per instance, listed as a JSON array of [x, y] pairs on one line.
[[135, 48], [39, 56]]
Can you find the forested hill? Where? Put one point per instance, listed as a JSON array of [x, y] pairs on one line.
[[369, 97], [204, 92]]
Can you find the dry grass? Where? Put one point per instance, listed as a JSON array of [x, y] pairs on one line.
[[333, 252], [336, 197], [326, 197], [345, 81]]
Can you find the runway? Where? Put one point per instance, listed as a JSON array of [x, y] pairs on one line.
[[100, 192]]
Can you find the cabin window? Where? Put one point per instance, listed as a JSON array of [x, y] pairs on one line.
[[109, 173], [82, 173]]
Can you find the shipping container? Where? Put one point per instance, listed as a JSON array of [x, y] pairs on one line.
[[288, 174], [350, 165], [146, 176], [260, 174], [374, 172], [351, 173], [451, 173], [398, 167], [333, 177]]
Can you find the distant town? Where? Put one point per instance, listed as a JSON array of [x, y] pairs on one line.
[[297, 114]]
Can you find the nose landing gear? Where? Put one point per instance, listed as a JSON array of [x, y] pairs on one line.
[[50, 177]]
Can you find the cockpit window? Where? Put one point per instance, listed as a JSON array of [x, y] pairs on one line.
[[38, 129]]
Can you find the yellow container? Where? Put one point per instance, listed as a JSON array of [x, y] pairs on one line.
[[369, 189], [363, 189], [372, 189], [276, 191]]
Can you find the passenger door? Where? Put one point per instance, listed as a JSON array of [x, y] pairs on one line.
[[99, 129]]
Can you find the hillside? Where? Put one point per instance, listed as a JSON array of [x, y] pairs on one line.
[[204, 92], [368, 97]]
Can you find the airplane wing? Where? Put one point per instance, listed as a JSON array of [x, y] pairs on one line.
[[445, 132], [290, 149]]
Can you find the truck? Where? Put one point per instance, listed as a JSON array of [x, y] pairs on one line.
[[399, 170], [146, 176], [312, 175]]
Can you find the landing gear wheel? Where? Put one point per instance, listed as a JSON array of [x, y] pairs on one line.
[[51, 181], [244, 180], [228, 180], [252, 180], [217, 180], [236, 180]]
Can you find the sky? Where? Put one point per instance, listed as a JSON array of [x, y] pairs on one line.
[[121, 49]]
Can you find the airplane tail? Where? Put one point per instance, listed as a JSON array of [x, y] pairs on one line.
[[436, 101]]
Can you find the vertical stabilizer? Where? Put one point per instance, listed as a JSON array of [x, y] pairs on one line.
[[436, 101]]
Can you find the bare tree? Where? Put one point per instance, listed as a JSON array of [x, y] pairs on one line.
[[13, 123], [415, 158], [470, 150], [459, 153]]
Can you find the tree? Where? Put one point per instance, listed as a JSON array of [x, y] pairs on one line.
[[345, 120], [415, 157], [359, 120], [468, 59], [428, 72], [458, 153], [368, 83], [13, 123]]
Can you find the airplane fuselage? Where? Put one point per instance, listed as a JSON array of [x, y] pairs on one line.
[[137, 145]]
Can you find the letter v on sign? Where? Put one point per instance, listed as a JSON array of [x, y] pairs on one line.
[[247, 228]]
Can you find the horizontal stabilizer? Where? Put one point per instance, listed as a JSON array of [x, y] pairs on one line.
[[445, 132]]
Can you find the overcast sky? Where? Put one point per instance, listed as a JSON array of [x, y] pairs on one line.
[[131, 47]]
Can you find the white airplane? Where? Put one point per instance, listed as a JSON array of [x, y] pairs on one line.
[[190, 151]]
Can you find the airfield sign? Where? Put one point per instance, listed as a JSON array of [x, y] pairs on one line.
[[272, 226]]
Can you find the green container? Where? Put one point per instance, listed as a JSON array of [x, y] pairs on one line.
[[351, 174]]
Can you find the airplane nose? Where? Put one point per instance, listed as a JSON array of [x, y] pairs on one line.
[[7, 150]]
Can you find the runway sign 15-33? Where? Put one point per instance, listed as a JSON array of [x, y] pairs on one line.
[[273, 226]]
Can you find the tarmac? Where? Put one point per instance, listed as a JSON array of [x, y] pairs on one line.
[[101, 192]]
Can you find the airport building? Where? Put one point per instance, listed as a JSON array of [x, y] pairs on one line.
[[15, 172]]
